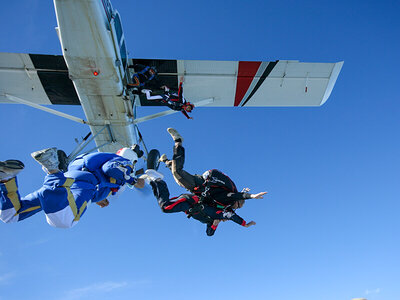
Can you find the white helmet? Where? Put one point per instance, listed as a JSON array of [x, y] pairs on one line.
[[128, 153]]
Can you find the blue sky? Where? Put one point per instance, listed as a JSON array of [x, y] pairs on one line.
[[328, 228]]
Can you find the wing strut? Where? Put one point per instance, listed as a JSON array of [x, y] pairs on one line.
[[170, 111], [85, 141], [46, 109]]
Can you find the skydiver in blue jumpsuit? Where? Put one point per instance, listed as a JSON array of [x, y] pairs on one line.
[[145, 77], [65, 197]]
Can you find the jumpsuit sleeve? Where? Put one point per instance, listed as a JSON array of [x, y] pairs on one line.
[[185, 113], [231, 215], [180, 92], [238, 196], [228, 198], [211, 229], [120, 169], [237, 219]]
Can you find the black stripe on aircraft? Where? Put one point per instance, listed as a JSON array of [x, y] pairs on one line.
[[165, 67], [53, 74], [264, 75]]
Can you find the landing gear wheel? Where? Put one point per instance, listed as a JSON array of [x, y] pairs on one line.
[[152, 159]]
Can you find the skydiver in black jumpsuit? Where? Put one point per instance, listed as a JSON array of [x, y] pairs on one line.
[[173, 100], [189, 204], [195, 183]]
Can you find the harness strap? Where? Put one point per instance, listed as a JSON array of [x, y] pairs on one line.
[[197, 208]]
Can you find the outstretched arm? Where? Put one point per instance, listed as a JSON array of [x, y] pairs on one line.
[[120, 169], [251, 223], [211, 228], [258, 196], [231, 215], [180, 92], [185, 114]]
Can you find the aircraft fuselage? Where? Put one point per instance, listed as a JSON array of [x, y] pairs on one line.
[[94, 49]]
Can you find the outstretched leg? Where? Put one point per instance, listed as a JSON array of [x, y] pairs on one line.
[[63, 200], [12, 207], [167, 205], [182, 178]]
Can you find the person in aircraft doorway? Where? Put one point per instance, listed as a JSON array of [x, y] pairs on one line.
[[173, 100], [65, 197], [213, 187], [145, 77]]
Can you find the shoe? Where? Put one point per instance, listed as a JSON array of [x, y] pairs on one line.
[[163, 158], [48, 158], [62, 161], [175, 135], [151, 175], [136, 149], [10, 168]]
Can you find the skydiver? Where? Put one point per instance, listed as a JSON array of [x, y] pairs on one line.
[[197, 184], [173, 100], [145, 77], [191, 205], [64, 197]]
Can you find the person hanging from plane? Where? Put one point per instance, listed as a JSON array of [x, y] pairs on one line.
[[214, 187], [192, 206], [145, 77], [173, 100], [65, 197]]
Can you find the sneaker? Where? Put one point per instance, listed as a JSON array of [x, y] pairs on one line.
[[48, 158], [175, 135], [163, 158], [62, 161], [151, 175], [10, 168]]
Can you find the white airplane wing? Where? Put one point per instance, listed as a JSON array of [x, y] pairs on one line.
[[45, 80], [249, 83], [41, 79]]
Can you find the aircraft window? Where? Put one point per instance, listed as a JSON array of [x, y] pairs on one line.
[[124, 55], [118, 27]]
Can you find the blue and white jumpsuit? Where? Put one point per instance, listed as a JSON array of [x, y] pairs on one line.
[[64, 197]]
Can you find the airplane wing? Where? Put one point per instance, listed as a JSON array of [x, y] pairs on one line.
[[45, 80], [41, 79], [248, 83], [37, 80]]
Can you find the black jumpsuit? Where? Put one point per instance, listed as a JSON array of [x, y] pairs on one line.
[[189, 204]]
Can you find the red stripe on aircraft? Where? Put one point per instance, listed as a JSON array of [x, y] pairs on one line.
[[246, 72]]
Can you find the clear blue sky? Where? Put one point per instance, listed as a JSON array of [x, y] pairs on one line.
[[328, 228]]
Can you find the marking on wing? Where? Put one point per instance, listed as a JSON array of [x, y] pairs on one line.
[[53, 75], [264, 69], [246, 72]]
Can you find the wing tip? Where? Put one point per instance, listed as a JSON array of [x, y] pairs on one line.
[[332, 81]]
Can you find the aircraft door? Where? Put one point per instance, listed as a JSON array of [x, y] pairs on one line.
[[119, 43]]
